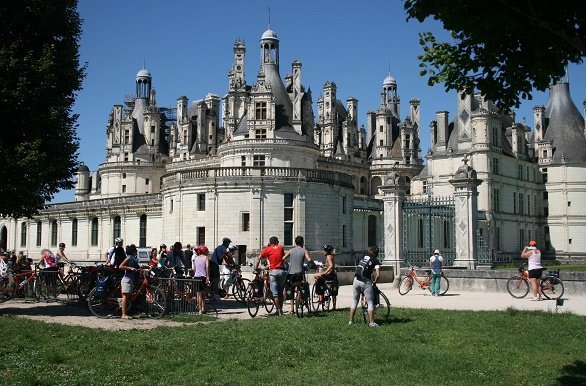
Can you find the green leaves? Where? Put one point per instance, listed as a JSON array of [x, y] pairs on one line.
[[39, 75], [505, 50]]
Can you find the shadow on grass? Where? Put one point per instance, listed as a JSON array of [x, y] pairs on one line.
[[573, 374], [57, 308]]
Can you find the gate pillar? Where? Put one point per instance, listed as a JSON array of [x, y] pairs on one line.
[[465, 185], [394, 189]]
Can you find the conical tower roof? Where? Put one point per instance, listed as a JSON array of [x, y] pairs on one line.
[[565, 126]]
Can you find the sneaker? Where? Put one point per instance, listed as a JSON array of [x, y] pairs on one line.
[[373, 324], [535, 299], [350, 322]]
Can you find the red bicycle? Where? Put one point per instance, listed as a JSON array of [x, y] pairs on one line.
[[23, 284], [104, 301], [424, 282], [552, 286]]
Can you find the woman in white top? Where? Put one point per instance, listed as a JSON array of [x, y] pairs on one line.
[[533, 256]]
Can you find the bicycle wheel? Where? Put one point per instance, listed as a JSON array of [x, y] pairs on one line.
[[552, 287], [364, 306], [83, 289], [517, 287], [383, 308], [239, 290], [251, 301], [103, 306], [444, 285], [269, 304], [315, 303], [41, 291], [154, 302], [6, 290], [298, 304], [406, 285], [327, 299]]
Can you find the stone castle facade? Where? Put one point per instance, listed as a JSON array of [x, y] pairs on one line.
[[259, 162]]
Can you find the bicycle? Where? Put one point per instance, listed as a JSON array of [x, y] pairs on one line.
[[105, 302], [237, 282], [23, 284], [327, 298], [259, 293], [300, 295], [382, 305], [424, 282], [551, 285]]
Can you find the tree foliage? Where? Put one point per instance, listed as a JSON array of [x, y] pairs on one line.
[[39, 75], [504, 49]]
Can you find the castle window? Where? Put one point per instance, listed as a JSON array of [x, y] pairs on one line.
[[117, 228], [372, 230], [495, 166], [514, 203], [260, 133], [408, 142], [146, 181], [243, 160], [288, 218], [123, 175], [200, 235], [260, 110], [245, 221], [258, 160], [381, 142], [344, 205], [94, 232], [520, 172], [74, 232], [54, 233], [185, 137], [126, 137], [123, 188], [152, 129], [23, 234], [425, 187], [521, 204], [380, 128], [142, 231], [125, 156], [201, 202], [496, 205], [39, 233], [544, 174]]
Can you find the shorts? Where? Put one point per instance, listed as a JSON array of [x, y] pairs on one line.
[[535, 273], [277, 281], [295, 277], [126, 285]]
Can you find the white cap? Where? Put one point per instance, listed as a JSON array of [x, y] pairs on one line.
[[436, 251]]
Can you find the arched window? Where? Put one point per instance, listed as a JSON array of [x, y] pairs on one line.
[[94, 234], [117, 227], [54, 233], [375, 183], [142, 231], [74, 232], [363, 186], [23, 234]]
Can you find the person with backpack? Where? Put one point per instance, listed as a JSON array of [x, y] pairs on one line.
[[110, 255], [363, 283], [436, 262], [216, 260], [175, 259], [130, 266]]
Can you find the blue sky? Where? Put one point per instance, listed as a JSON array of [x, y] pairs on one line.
[[187, 47]]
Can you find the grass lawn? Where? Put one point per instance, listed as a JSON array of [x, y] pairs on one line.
[[414, 347]]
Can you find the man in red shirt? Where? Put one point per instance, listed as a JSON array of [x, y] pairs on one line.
[[274, 254]]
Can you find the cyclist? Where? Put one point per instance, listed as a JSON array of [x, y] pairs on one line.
[[363, 282], [129, 265], [116, 254], [215, 260], [274, 253], [533, 256], [61, 254], [296, 257], [328, 272], [175, 258], [49, 269]]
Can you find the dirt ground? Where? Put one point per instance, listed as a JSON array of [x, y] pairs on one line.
[[75, 313]]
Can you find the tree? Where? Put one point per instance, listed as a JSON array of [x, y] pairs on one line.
[[39, 75], [505, 49]]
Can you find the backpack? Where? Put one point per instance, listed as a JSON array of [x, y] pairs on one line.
[[119, 256], [101, 285], [364, 268], [50, 261]]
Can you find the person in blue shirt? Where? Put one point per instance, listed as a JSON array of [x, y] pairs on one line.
[[436, 261]]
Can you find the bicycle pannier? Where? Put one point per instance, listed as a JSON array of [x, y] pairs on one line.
[[101, 285]]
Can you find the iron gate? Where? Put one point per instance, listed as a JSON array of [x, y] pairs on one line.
[[428, 224]]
